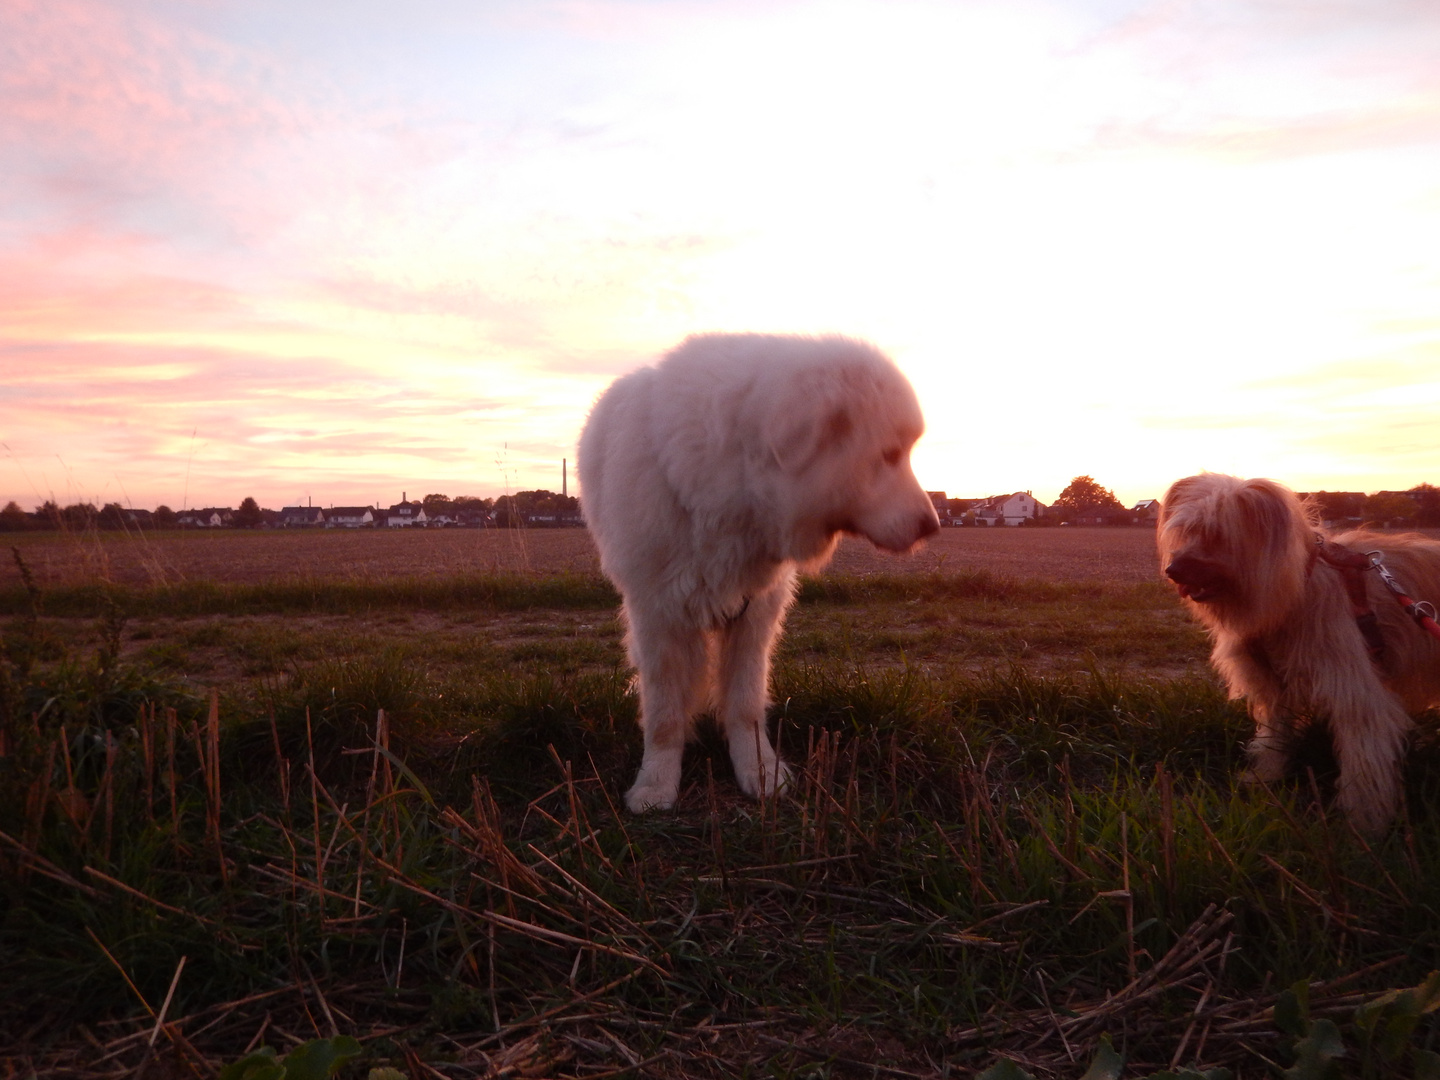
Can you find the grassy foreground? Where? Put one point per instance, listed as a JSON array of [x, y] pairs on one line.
[[1009, 837]]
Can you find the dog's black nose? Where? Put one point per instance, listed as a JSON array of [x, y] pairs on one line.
[[1185, 569]]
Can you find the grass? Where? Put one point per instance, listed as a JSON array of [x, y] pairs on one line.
[[392, 814]]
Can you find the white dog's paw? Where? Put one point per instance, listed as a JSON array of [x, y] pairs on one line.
[[651, 795], [761, 783]]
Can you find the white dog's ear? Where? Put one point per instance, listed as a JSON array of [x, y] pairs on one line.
[[798, 440]]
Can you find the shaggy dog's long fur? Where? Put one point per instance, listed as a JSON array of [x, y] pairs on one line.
[[1245, 558], [707, 481]]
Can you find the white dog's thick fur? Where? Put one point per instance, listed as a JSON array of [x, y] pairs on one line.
[[707, 480], [1244, 556]]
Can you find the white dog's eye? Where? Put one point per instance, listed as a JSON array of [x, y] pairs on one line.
[[893, 455]]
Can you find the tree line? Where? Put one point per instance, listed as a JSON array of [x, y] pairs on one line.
[[505, 511], [1418, 507]]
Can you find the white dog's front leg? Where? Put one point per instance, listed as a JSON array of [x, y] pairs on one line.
[[672, 663], [743, 680], [657, 785], [758, 770]]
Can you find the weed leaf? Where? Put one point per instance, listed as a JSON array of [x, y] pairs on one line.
[[1108, 1062], [1005, 1069], [1427, 1065], [258, 1065], [1292, 1010], [319, 1058], [1315, 1055]]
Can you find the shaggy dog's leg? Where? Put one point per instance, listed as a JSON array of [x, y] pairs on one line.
[[744, 674], [1269, 751], [1369, 731], [673, 665], [1248, 676]]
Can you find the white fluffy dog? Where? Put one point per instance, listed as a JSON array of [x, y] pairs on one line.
[[707, 481]]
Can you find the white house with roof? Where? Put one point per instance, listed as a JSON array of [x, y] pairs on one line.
[[350, 517], [1146, 510], [1014, 509], [212, 517], [301, 517], [406, 514]]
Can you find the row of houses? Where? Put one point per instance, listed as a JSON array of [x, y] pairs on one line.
[[403, 515], [1020, 507]]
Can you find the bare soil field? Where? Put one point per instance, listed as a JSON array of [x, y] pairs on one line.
[[1117, 555]]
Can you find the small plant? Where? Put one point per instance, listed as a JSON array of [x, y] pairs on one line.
[[318, 1059], [1106, 1065], [1385, 1027]]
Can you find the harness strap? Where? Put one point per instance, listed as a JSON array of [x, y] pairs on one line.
[[1422, 611], [1351, 565]]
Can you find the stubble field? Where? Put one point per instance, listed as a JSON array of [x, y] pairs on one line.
[[327, 784], [1113, 556]]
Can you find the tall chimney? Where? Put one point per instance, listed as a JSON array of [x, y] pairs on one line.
[[564, 478]]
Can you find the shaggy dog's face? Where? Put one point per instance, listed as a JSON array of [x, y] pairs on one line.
[[1236, 549], [1198, 578]]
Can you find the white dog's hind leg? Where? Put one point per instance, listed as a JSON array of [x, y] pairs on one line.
[[673, 675], [742, 685]]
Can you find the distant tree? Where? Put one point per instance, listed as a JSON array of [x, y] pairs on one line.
[[48, 515], [1390, 508], [13, 519], [1339, 505], [78, 517], [249, 515], [435, 503], [111, 516], [1083, 494], [164, 517], [1427, 502]]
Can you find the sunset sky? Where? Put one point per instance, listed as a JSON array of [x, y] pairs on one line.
[[344, 250]]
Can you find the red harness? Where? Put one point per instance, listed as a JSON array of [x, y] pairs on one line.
[[1351, 565]]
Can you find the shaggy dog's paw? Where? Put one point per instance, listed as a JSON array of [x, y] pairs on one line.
[[1269, 763]]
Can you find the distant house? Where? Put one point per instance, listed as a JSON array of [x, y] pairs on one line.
[[350, 517], [1102, 515], [212, 517], [473, 519], [1146, 510], [1014, 509], [301, 517], [406, 514]]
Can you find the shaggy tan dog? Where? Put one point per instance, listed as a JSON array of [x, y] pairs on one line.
[[1288, 607], [708, 481]]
